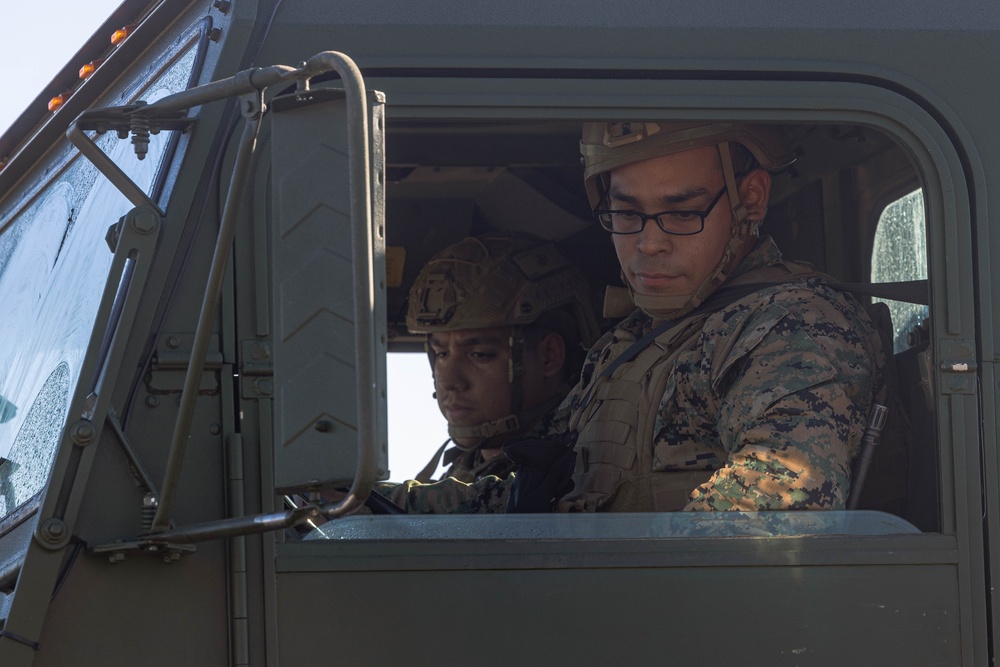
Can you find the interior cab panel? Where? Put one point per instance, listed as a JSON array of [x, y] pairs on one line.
[[447, 180]]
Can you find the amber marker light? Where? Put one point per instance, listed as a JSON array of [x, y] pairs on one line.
[[121, 34], [56, 102], [90, 68]]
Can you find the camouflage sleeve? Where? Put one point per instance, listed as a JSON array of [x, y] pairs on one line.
[[794, 395], [450, 496]]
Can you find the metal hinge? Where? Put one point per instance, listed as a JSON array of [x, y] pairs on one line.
[[958, 366], [170, 363], [256, 369]]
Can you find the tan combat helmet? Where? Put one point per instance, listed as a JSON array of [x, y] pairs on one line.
[[607, 146], [503, 280]]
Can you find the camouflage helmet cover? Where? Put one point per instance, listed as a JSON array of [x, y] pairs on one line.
[[498, 280], [607, 146]]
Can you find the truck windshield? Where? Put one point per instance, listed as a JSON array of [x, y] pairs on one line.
[[54, 262]]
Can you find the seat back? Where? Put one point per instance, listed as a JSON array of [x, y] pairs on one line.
[[886, 485]]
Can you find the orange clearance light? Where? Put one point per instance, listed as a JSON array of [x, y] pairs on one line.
[[56, 102], [90, 68], [121, 34]]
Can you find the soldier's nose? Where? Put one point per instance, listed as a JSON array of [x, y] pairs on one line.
[[451, 379], [652, 240]]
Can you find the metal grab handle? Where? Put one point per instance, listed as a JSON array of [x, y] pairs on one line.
[[241, 83], [364, 282], [247, 83], [203, 333]]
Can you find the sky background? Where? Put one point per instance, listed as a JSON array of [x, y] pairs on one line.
[[37, 43]]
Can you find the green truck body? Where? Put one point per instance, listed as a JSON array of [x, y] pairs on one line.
[[194, 335]]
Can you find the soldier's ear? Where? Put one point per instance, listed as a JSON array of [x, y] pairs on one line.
[[552, 349], [755, 189]]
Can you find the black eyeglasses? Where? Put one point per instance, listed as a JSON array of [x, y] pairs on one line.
[[679, 223]]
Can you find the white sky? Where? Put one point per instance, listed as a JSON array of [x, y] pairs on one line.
[[36, 45], [38, 41]]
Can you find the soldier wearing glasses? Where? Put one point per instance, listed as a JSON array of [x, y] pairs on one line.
[[737, 380]]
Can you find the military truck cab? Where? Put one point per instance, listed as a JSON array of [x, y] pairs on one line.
[[205, 254]]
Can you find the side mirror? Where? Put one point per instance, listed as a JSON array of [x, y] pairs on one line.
[[328, 290]]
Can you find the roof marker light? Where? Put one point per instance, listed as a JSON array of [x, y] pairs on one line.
[[90, 68], [121, 34], [56, 102]]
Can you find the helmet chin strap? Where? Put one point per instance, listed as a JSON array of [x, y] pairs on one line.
[[478, 435], [494, 433], [668, 307]]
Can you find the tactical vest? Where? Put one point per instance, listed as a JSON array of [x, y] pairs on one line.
[[616, 418]]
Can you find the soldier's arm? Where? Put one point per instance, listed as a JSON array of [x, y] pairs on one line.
[[450, 496], [793, 406]]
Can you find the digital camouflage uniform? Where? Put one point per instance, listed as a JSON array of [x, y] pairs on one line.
[[471, 467], [464, 464], [763, 406]]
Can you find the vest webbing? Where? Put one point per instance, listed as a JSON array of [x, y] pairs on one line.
[[616, 418]]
